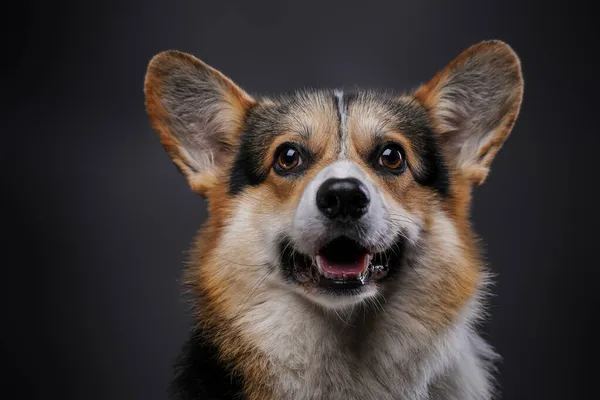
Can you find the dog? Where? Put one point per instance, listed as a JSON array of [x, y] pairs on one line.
[[337, 260]]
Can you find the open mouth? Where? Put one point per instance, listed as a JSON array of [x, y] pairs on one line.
[[343, 259], [340, 266]]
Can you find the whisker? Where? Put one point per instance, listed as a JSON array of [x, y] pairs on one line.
[[346, 323], [255, 287], [406, 217], [247, 265], [379, 306]]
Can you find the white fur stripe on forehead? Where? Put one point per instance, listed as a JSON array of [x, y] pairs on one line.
[[342, 110], [342, 169]]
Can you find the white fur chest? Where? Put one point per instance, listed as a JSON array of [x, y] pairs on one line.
[[318, 356]]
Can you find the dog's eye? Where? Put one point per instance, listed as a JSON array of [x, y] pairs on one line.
[[287, 158], [391, 157]]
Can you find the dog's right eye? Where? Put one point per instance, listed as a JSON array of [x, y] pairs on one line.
[[391, 157], [287, 158]]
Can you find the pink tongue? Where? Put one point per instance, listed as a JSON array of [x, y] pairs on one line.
[[354, 267]]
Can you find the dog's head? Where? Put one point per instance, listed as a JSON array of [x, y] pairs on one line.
[[333, 194]]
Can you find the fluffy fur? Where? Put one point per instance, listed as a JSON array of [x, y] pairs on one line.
[[262, 334]]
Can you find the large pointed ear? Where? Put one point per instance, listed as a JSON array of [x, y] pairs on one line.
[[198, 114], [473, 104]]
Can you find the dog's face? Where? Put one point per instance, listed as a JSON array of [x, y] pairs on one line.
[[330, 193]]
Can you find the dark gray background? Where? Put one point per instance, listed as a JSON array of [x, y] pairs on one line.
[[97, 220]]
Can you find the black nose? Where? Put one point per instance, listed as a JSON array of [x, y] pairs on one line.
[[343, 199]]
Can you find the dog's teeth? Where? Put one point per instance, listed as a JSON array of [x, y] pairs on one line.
[[379, 271], [319, 262], [333, 276], [327, 274]]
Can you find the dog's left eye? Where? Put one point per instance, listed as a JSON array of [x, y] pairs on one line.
[[287, 159], [391, 157]]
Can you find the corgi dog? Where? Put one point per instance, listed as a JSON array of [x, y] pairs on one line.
[[337, 260]]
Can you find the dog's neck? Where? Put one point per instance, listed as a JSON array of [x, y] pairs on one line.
[[386, 346]]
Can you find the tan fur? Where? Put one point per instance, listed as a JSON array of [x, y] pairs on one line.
[[234, 103], [273, 335], [431, 95]]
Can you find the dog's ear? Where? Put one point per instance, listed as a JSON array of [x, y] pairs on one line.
[[473, 104], [198, 114]]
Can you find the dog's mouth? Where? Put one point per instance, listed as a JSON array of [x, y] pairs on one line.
[[343, 259], [342, 265]]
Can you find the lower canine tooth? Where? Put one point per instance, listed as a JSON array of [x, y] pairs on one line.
[[379, 271], [318, 260]]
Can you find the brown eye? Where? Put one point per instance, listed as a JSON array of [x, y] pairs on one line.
[[391, 157], [288, 158]]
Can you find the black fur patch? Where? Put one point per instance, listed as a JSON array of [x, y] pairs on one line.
[[262, 126], [200, 374], [412, 121], [245, 170]]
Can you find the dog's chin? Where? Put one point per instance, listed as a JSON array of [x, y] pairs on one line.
[[342, 272]]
